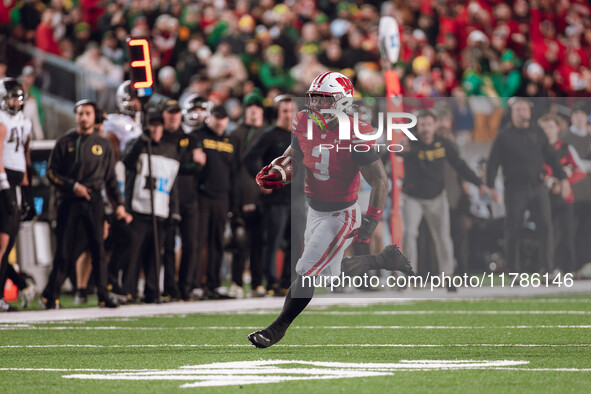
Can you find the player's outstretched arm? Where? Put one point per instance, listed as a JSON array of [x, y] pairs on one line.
[[297, 156], [375, 175]]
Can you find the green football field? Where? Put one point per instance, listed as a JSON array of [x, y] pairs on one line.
[[491, 345]]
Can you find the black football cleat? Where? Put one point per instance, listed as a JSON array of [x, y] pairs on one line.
[[265, 338], [120, 298], [392, 259], [108, 303], [48, 303]]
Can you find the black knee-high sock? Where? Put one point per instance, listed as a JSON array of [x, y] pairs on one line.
[[298, 297], [3, 268], [15, 277], [4, 264]]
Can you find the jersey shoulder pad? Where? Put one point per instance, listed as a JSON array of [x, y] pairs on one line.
[[110, 120], [119, 119], [299, 124], [4, 117], [116, 115]]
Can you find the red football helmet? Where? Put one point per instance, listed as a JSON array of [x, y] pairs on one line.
[[330, 90]]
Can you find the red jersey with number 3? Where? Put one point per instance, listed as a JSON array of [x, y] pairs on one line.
[[332, 165]]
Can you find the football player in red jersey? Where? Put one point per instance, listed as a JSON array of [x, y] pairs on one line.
[[333, 168]]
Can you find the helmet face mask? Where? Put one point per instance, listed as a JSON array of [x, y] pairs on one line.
[[330, 90], [195, 117], [195, 111], [130, 106], [12, 96], [318, 101], [127, 101]]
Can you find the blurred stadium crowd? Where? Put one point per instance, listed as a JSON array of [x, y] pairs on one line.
[[225, 48], [240, 54]]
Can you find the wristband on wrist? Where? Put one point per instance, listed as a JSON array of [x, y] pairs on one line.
[[374, 212], [4, 181]]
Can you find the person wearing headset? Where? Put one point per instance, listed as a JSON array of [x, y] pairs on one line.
[[81, 164]]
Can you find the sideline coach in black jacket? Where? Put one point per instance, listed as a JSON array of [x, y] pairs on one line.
[[522, 148], [277, 207], [81, 164], [217, 194]]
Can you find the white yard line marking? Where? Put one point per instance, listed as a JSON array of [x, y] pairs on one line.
[[19, 327], [452, 312], [274, 371], [410, 345]]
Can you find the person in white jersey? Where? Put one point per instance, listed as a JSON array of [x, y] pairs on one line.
[[15, 131]]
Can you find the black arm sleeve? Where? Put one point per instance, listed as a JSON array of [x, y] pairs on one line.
[[453, 157], [365, 158], [188, 166], [54, 172], [132, 152], [253, 157]]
